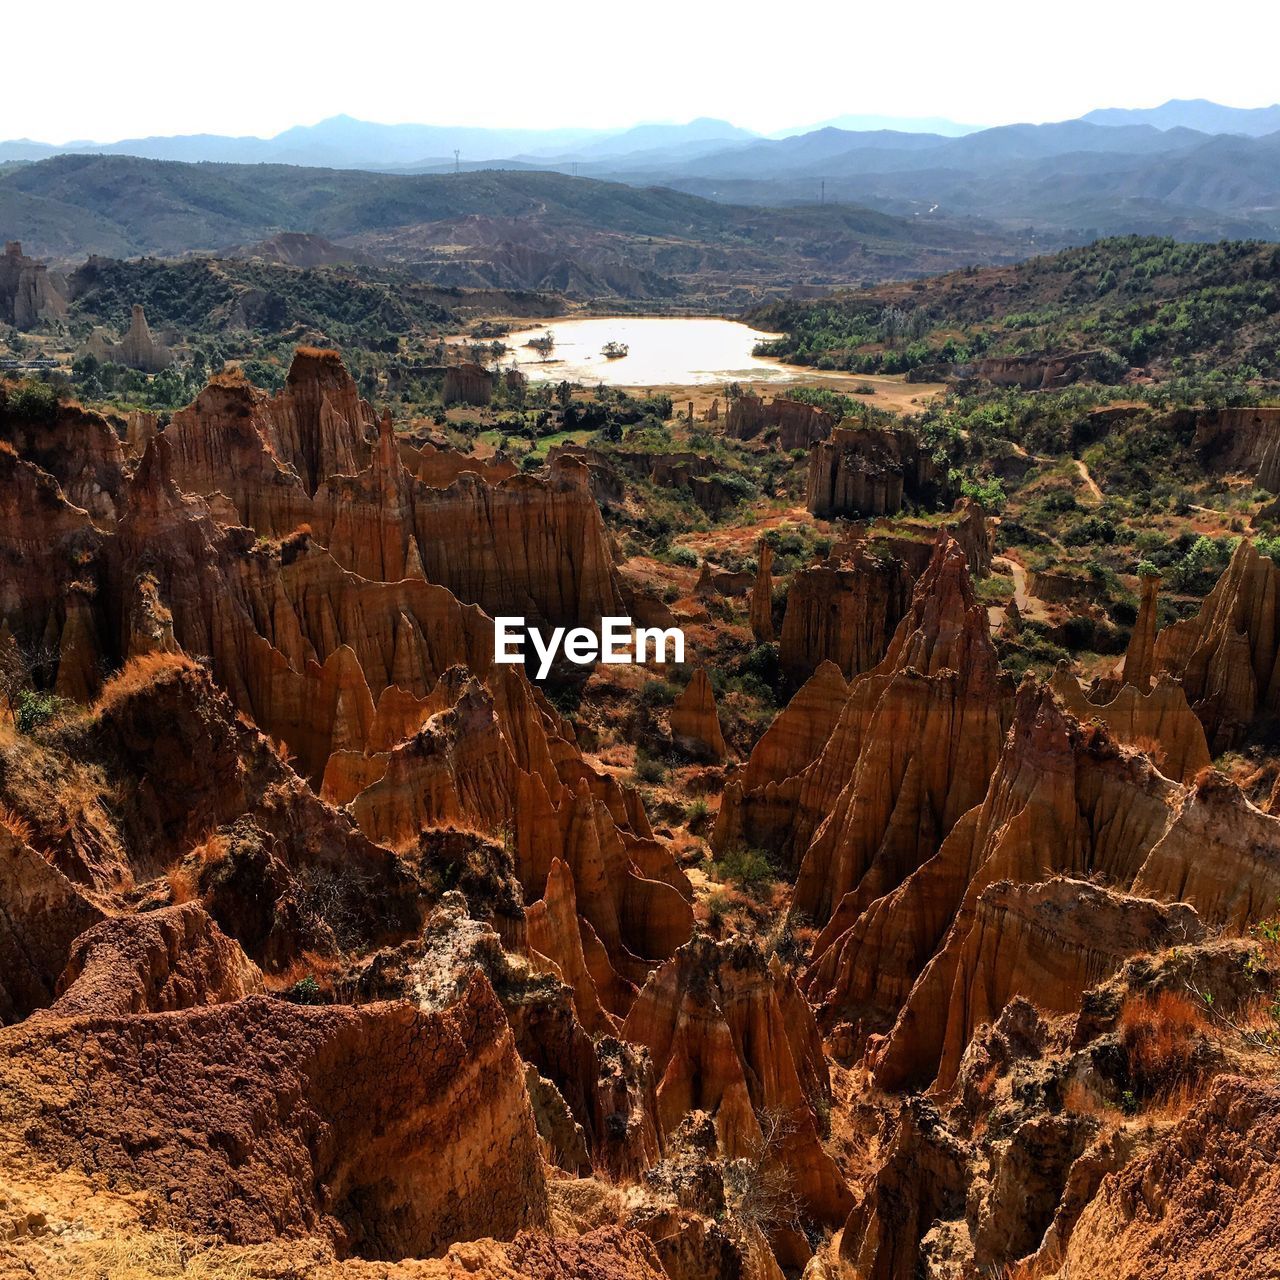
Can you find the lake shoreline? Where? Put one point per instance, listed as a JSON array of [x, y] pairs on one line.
[[663, 350]]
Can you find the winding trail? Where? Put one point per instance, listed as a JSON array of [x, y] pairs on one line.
[[1090, 483], [1021, 597], [1029, 606]]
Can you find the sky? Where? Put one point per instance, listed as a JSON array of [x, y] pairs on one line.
[[140, 67]]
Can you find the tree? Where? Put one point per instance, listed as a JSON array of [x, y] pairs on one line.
[[761, 1187], [21, 665]]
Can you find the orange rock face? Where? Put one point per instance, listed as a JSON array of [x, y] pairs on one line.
[[884, 766], [176, 958], [369, 676], [467, 384], [695, 725], [730, 1036], [762, 595], [760, 807], [495, 761], [869, 471], [1202, 1202], [1226, 656], [313, 456], [1140, 656], [1241, 439], [917, 740], [526, 546], [439, 468], [43, 914], [843, 611], [1064, 800], [80, 450], [270, 1120], [46, 544], [798, 424], [1156, 719], [1053, 940]]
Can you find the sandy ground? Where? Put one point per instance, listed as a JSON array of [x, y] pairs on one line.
[[891, 393]]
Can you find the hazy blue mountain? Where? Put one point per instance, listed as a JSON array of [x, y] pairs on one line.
[[1194, 113], [701, 134], [836, 153], [938, 125], [344, 142], [25, 149], [339, 142]]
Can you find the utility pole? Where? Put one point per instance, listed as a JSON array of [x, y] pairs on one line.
[[823, 198]]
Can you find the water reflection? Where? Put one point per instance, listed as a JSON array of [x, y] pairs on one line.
[[661, 349]]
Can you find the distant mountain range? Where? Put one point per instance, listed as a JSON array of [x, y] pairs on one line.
[[345, 143], [1079, 178], [899, 124], [496, 229], [342, 142], [1195, 113], [1192, 170]]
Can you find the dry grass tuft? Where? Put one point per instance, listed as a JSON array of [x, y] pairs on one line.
[[153, 1255], [16, 825], [1153, 749], [1081, 1100], [137, 674], [1160, 1037], [184, 877]]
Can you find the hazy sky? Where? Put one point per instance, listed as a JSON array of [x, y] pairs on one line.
[[110, 71]]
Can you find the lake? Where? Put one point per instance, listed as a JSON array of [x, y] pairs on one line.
[[679, 351]]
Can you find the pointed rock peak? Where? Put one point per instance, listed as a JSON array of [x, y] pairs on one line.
[[947, 575], [413, 560], [1042, 725], [388, 454], [560, 882], [353, 704], [226, 392], [1244, 586], [153, 482], [798, 732], [762, 594], [1227, 654], [1140, 656], [695, 724], [945, 626]]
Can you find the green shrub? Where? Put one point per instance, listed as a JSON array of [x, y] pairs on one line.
[[305, 991], [650, 770], [35, 709], [749, 869], [33, 402], [658, 693]]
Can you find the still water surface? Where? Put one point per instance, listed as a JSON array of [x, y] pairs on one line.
[[663, 349]]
